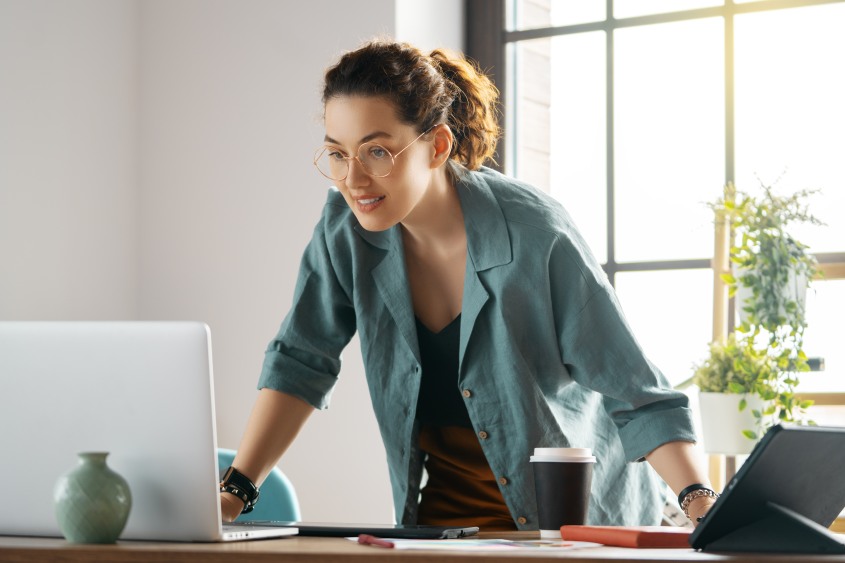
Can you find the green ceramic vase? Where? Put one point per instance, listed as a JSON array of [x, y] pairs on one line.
[[92, 501]]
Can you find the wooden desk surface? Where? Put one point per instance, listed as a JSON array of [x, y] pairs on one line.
[[339, 550]]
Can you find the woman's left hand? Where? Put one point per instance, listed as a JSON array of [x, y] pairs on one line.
[[699, 507]]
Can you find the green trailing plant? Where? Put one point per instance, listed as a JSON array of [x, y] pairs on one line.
[[769, 258], [765, 354]]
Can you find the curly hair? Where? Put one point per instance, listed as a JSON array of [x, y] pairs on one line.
[[427, 90]]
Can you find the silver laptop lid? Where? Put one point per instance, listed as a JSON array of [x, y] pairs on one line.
[[142, 391]]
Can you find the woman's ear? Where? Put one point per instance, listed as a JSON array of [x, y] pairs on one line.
[[442, 143]]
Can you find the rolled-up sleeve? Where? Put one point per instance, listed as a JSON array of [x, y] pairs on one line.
[[304, 358], [601, 353]]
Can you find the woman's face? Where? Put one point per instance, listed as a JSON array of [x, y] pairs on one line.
[[378, 203]]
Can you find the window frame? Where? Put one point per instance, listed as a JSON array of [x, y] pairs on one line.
[[489, 50]]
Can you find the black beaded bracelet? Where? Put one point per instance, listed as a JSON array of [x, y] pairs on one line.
[[238, 484], [688, 490]]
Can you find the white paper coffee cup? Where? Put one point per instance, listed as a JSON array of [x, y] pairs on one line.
[[562, 479]]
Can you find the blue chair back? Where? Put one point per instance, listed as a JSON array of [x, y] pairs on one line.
[[278, 497]]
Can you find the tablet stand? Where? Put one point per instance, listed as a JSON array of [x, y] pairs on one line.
[[781, 530]]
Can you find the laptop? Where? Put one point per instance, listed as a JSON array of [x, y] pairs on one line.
[[142, 391], [392, 531], [783, 498]]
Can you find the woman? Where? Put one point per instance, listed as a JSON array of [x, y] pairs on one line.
[[487, 327]]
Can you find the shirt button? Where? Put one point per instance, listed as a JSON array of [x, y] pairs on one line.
[[522, 520], [503, 481], [483, 435], [467, 393]]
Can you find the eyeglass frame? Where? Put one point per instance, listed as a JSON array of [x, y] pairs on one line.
[[393, 157]]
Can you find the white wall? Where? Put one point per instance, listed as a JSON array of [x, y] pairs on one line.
[[68, 168], [155, 164], [430, 24]]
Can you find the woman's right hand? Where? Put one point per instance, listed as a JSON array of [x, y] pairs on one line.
[[230, 506], [275, 421]]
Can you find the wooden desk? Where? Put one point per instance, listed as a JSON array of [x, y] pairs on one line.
[[339, 550]]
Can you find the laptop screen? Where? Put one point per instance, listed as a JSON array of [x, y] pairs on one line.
[[142, 391]]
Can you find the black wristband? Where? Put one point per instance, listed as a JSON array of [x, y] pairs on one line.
[[688, 490], [234, 482]]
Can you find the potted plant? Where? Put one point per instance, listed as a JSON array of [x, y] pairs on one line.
[[772, 268], [733, 382], [759, 362]]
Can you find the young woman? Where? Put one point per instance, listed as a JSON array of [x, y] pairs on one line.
[[487, 327]]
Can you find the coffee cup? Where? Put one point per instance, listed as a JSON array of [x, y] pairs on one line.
[[562, 479]]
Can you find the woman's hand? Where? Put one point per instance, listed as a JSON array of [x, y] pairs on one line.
[[230, 506], [699, 507], [275, 421], [680, 464]]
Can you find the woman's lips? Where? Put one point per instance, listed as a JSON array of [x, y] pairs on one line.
[[368, 203]]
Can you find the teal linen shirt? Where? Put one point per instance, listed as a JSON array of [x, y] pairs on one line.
[[545, 351]]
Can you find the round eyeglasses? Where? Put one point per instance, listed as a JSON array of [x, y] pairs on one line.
[[376, 160]]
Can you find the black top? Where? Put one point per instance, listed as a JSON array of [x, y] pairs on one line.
[[440, 402]]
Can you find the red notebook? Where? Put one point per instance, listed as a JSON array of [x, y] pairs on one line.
[[629, 536]]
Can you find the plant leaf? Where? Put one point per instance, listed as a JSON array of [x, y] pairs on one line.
[[735, 387]]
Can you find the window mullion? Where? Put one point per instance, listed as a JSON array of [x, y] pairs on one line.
[[611, 267]]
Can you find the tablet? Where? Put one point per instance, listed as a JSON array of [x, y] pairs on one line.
[[344, 530], [783, 498]]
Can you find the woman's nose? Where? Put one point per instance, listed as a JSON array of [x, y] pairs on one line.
[[356, 176]]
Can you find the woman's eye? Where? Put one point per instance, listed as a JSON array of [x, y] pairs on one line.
[[378, 152], [335, 155]]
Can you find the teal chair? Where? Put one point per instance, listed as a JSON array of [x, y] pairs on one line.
[[278, 498]]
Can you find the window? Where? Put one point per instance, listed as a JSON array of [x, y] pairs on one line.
[[635, 113]]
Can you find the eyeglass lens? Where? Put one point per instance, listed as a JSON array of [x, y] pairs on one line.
[[376, 160]]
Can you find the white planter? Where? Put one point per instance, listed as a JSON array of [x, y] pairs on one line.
[[795, 289], [722, 422]]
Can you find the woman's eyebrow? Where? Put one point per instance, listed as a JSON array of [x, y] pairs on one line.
[[365, 139]]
